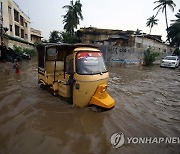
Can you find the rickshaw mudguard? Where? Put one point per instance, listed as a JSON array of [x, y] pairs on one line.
[[101, 98]]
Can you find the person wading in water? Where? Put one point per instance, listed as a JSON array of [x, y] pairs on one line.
[[17, 66]]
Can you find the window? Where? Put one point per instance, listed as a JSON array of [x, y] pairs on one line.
[[10, 27], [25, 24], [21, 21], [16, 30], [26, 36], [90, 63], [9, 9], [22, 33], [138, 45], [16, 15]]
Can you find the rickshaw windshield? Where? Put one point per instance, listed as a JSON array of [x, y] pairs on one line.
[[90, 63]]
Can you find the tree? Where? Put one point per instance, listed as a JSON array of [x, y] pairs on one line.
[[150, 56], [174, 31], [162, 5], [73, 16], [138, 32], [54, 37], [151, 22], [178, 17], [44, 41], [68, 38]]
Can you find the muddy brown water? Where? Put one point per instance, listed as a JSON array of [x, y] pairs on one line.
[[32, 121]]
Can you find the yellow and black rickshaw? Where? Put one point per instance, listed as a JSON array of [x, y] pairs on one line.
[[76, 72]]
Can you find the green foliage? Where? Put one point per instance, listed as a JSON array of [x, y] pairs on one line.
[[32, 52], [36, 44], [68, 38], [72, 17], [162, 5], [64, 37], [176, 51], [150, 56], [151, 22], [54, 37], [17, 49], [174, 31], [138, 32], [20, 50]]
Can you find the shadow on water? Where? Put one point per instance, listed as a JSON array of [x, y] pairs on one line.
[[33, 121]]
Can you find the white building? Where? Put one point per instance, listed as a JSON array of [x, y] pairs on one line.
[[153, 41], [18, 24]]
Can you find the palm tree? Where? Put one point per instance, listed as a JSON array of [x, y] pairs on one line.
[[174, 31], [177, 16], [151, 22], [138, 32], [162, 5], [72, 16]]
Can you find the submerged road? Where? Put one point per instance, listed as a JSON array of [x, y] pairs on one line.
[[32, 121]]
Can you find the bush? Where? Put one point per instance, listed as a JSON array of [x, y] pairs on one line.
[[150, 56], [17, 49], [20, 50], [176, 52], [32, 52]]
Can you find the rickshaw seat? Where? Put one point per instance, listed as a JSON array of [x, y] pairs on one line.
[[50, 67]]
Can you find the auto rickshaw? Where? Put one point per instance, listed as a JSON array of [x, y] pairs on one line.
[[76, 72]]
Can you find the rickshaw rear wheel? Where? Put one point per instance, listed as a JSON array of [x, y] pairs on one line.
[[42, 86]]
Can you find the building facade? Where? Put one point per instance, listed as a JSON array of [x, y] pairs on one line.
[[123, 39], [17, 23], [35, 35], [146, 41], [91, 35], [123, 47]]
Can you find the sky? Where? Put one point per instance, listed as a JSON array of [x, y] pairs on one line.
[[46, 15]]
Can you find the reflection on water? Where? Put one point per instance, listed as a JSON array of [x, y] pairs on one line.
[[33, 121]]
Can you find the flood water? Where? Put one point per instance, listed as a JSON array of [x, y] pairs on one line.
[[32, 121]]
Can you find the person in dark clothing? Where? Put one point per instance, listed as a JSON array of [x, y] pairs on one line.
[[71, 77], [3, 52]]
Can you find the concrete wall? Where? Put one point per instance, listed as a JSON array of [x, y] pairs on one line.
[[115, 55], [146, 43], [11, 43]]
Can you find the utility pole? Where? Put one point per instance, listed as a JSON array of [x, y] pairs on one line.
[[1, 20]]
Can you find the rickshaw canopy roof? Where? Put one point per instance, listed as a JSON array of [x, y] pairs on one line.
[[64, 46]]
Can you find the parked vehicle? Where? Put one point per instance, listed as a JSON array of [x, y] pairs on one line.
[[24, 55], [76, 72], [170, 61]]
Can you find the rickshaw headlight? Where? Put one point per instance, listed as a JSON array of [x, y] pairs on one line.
[[104, 88]]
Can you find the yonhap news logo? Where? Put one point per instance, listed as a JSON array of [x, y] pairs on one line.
[[118, 140]]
